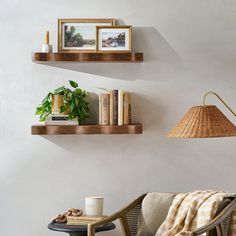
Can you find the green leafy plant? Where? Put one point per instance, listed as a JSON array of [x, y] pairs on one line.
[[74, 103]]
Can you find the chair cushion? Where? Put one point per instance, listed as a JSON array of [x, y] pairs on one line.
[[154, 210]]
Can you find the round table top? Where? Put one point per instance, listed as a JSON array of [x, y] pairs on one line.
[[63, 227]]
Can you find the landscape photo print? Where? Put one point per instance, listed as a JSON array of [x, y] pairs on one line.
[[79, 34], [116, 38]]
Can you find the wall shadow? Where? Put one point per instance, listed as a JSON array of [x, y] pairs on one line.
[[158, 56], [93, 109]]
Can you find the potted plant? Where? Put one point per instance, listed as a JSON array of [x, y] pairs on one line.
[[65, 101]]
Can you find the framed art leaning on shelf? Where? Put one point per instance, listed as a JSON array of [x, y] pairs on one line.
[[114, 38], [79, 35]]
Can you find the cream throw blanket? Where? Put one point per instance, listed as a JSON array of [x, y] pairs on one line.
[[190, 211]]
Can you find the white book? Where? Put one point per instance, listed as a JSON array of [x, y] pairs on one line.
[[120, 107], [71, 122], [58, 115]]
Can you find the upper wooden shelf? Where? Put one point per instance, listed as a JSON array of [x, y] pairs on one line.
[[87, 57], [86, 129]]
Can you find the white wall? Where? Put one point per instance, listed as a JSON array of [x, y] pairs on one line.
[[190, 48]]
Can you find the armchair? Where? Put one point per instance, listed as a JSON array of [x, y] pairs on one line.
[[133, 223]]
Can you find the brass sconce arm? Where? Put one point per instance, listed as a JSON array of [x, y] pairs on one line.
[[214, 93]]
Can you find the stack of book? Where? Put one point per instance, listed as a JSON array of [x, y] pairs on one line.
[[82, 220], [60, 120], [114, 108]]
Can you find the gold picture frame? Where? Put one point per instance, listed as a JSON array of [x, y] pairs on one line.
[[73, 41], [112, 43]]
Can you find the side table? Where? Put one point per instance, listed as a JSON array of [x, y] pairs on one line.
[[78, 230]]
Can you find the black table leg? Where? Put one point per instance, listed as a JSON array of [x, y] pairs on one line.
[[78, 234]]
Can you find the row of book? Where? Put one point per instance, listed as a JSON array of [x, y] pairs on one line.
[[114, 108]]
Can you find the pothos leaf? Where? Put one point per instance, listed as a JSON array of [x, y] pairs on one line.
[[60, 90], [62, 109], [47, 98], [39, 111], [73, 84]]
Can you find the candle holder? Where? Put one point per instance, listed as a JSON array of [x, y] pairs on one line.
[[94, 206], [47, 48]]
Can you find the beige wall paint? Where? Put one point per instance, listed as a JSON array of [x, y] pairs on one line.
[[190, 48]]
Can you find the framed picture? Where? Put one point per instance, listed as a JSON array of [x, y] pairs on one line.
[[114, 38], [79, 35]]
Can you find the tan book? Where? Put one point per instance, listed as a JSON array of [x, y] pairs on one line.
[[127, 109], [114, 107], [111, 108], [105, 109], [130, 116], [81, 222], [84, 217], [100, 109], [120, 107]]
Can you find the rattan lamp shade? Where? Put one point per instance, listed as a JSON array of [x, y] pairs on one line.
[[203, 122]]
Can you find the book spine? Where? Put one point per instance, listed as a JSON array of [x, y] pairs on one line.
[[57, 117], [126, 109], [130, 117], [111, 108], [115, 107], [81, 223], [120, 107], [100, 109], [61, 123], [84, 218], [105, 109]]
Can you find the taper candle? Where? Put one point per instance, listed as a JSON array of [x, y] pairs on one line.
[[47, 37]]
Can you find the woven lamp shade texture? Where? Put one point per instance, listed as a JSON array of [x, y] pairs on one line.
[[203, 122]]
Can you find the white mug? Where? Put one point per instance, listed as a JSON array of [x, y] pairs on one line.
[[94, 206]]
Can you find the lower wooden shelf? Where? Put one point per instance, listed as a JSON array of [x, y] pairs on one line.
[[86, 129]]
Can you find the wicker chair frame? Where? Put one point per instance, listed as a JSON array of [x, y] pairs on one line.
[[128, 217]]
